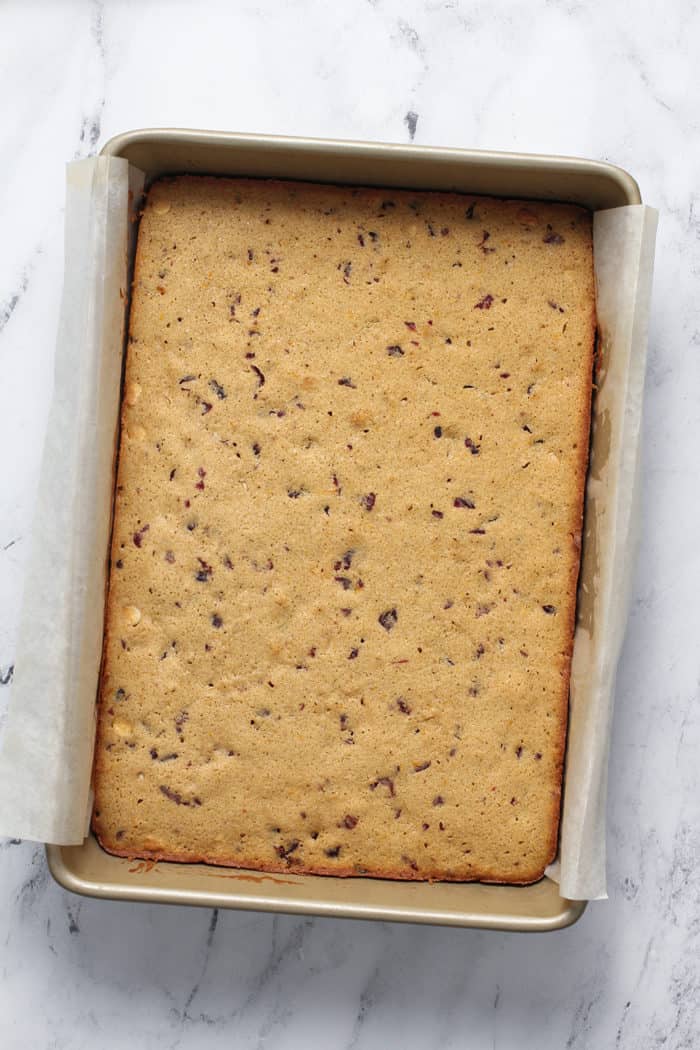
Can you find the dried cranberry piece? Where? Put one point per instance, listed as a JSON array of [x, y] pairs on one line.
[[485, 303], [388, 619], [549, 609], [205, 572], [394, 351], [368, 500], [464, 501], [386, 782], [284, 851], [218, 389], [139, 534]]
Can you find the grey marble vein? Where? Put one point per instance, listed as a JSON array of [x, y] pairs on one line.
[[8, 307], [411, 122]]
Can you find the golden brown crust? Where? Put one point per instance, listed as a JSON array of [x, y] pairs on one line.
[[353, 453]]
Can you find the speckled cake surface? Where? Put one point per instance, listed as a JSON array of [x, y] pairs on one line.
[[346, 539]]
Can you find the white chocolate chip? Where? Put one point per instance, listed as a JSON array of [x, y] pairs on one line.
[[133, 392], [132, 615], [161, 207]]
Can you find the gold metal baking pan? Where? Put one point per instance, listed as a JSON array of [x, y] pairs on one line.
[[89, 870]]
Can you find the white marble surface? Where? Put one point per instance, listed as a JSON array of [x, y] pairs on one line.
[[611, 80]]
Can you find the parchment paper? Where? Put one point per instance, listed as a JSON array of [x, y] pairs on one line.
[[46, 760], [623, 243], [45, 764]]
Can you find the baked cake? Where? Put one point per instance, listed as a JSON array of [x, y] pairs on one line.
[[346, 536]]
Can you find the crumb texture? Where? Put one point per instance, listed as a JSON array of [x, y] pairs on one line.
[[347, 526]]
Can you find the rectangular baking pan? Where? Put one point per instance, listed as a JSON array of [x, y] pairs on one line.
[[87, 869]]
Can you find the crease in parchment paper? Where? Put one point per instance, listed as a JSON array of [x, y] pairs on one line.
[[46, 762]]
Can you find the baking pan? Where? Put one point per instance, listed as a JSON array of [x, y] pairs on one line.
[[87, 869]]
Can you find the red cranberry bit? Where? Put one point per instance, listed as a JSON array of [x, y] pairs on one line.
[[368, 500], [549, 609], [259, 375], [386, 782], [464, 501], [389, 619], [138, 536], [482, 243], [394, 351], [204, 573], [284, 851], [485, 303]]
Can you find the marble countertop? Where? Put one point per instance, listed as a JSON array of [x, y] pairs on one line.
[[610, 81]]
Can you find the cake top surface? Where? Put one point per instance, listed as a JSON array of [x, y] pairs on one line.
[[354, 439]]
